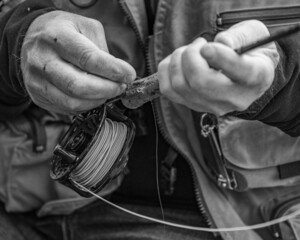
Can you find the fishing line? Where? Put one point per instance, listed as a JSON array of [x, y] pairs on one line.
[[94, 151], [194, 228], [157, 168], [102, 154]]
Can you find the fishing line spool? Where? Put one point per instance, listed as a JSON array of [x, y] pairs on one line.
[[94, 150]]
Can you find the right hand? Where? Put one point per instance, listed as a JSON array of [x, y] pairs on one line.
[[66, 66]]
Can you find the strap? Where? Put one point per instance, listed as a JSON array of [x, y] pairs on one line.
[[168, 172], [289, 170], [39, 137]]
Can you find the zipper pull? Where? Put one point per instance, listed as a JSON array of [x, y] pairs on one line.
[[225, 177], [219, 21], [168, 172], [208, 123]]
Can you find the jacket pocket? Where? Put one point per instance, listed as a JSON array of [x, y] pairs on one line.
[[282, 207], [258, 154], [273, 17], [244, 155], [26, 149]]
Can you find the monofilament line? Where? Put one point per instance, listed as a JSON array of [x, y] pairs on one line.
[[194, 228], [157, 166], [102, 155]]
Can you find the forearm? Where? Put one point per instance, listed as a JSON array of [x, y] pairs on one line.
[[279, 106], [13, 26]]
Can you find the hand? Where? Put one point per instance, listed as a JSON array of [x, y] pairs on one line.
[[66, 65], [212, 77]]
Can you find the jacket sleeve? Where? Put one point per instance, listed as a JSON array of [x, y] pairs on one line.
[[13, 26], [280, 105]]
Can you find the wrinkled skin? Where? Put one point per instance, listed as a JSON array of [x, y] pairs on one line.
[[66, 65], [68, 69], [212, 77]]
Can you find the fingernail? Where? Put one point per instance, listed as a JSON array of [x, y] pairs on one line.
[[123, 87], [208, 51], [129, 78]]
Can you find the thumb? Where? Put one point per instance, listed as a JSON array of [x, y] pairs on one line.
[[242, 34], [248, 32]]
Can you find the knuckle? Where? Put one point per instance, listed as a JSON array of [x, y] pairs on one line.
[[73, 105], [163, 64], [96, 24], [256, 24], [164, 89], [75, 87], [177, 86], [49, 32], [187, 52], [188, 61], [30, 86], [203, 86], [115, 70], [178, 52], [173, 68], [241, 39], [225, 38], [241, 106], [85, 59]]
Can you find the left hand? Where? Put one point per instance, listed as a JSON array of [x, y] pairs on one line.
[[212, 77]]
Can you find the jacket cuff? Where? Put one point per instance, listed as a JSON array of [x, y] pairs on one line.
[[279, 105], [27, 12], [14, 24]]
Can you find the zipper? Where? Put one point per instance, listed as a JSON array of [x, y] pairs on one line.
[[274, 16], [198, 194], [157, 113], [279, 211]]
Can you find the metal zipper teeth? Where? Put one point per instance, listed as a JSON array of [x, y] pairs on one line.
[[198, 193], [261, 12], [157, 118], [225, 21]]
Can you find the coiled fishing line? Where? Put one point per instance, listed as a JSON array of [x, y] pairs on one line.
[[102, 154]]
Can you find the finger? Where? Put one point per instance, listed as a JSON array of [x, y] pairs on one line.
[[177, 78], [46, 95], [248, 32], [194, 65], [83, 53], [93, 30], [78, 84], [233, 65], [165, 86], [242, 34]]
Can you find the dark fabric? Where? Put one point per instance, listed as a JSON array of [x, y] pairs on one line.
[[101, 221], [140, 183], [279, 106], [13, 26]]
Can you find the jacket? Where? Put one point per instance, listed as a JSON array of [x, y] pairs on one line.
[[177, 23]]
